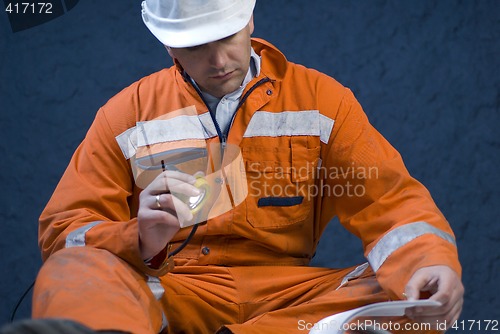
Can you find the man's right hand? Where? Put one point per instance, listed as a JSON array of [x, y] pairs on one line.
[[159, 210]]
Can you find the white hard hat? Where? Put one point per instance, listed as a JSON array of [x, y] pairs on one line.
[[185, 23]]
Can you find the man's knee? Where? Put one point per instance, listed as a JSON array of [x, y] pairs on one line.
[[82, 263], [81, 272]]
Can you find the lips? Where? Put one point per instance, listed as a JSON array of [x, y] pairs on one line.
[[223, 76]]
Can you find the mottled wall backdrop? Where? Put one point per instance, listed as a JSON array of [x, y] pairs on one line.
[[426, 72]]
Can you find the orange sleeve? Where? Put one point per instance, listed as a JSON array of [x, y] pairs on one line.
[[368, 187], [91, 205]]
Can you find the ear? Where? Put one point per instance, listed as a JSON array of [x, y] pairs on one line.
[[251, 25]]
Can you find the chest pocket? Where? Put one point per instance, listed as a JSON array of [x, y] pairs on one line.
[[281, 180]]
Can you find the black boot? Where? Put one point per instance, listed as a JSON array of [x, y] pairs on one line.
[[50, 326]]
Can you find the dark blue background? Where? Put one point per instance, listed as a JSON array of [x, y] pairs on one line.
[[426, 72]]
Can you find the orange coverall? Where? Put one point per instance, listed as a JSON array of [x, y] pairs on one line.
[[298, 130]]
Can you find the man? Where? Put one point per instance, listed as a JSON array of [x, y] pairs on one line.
[[306, 153]]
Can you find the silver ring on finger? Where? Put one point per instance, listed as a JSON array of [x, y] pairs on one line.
[[158, 204]]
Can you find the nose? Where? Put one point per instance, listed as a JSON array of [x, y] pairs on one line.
[[216, 55]]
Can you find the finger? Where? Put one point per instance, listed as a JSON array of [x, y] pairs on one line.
[[443, 291], [173, 205], [453, 303], [172, 181], [169, 203], [447, 312], [449, 294], [180, 187], [456, 314], [182, 211], [162, 202], [415, 285], [164, 217], [447, 318]]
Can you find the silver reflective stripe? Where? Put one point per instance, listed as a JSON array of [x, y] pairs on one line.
[[178, 128], [154, 284], [399, 237], [208, 125], [353, 274], [76, 238], [164, 321], [326, 127], [158, 291], [128, 142], [290, 123], [182, 127]]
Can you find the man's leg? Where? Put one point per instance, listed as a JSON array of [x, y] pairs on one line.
[[292, 299], [200, 299], [97, 289]]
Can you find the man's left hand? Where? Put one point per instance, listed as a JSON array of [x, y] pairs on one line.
[[445, 286]]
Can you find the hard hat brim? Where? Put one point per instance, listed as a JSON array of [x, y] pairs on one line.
[[205, 30]]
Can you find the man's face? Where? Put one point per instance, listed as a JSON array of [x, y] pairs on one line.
[[219, 67]]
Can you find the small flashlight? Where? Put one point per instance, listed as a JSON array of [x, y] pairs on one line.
[[195, 203]]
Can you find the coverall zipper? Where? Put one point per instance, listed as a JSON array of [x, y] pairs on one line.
[[222, 138], [223, 135]]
